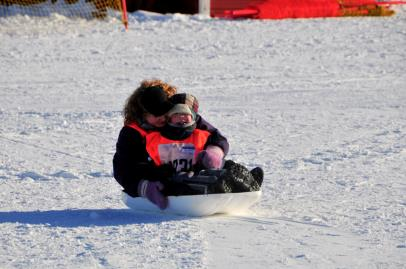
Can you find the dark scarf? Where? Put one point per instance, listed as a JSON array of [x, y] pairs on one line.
[[177, 132]]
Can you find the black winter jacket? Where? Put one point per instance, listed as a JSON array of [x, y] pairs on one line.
[[131, 162]]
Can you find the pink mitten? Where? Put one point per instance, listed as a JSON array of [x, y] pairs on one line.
[[211, 158], [152, 191]]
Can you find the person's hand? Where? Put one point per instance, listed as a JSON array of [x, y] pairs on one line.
[[211, 158], [152, 191]]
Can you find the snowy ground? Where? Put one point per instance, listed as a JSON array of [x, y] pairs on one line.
[[319, 104]]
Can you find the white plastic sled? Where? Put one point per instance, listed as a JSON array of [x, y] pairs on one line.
[[198, 205]]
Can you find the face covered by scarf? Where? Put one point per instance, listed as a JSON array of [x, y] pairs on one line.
[[181, 122]]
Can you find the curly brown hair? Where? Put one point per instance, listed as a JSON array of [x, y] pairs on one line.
[[133, 109]]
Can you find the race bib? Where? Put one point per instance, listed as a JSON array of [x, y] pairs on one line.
[[180, 156]]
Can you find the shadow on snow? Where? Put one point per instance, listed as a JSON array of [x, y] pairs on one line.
[[85, 217]]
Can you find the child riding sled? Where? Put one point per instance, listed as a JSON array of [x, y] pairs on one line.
[[199, 167]]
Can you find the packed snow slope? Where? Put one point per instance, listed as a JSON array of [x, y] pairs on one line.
[[320, 104]]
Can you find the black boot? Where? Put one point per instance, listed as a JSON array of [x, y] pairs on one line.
[[228, 164], [221, 186], [239, 177], [258, 175]]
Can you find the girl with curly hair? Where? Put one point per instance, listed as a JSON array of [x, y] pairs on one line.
[[144, 112]]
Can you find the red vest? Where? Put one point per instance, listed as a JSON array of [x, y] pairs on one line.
[[180, 153], [136, 127]]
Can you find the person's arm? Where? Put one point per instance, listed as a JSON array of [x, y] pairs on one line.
[[215, 138], [131, 164]]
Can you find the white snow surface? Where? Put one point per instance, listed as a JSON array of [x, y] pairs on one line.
[[320, 104]]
